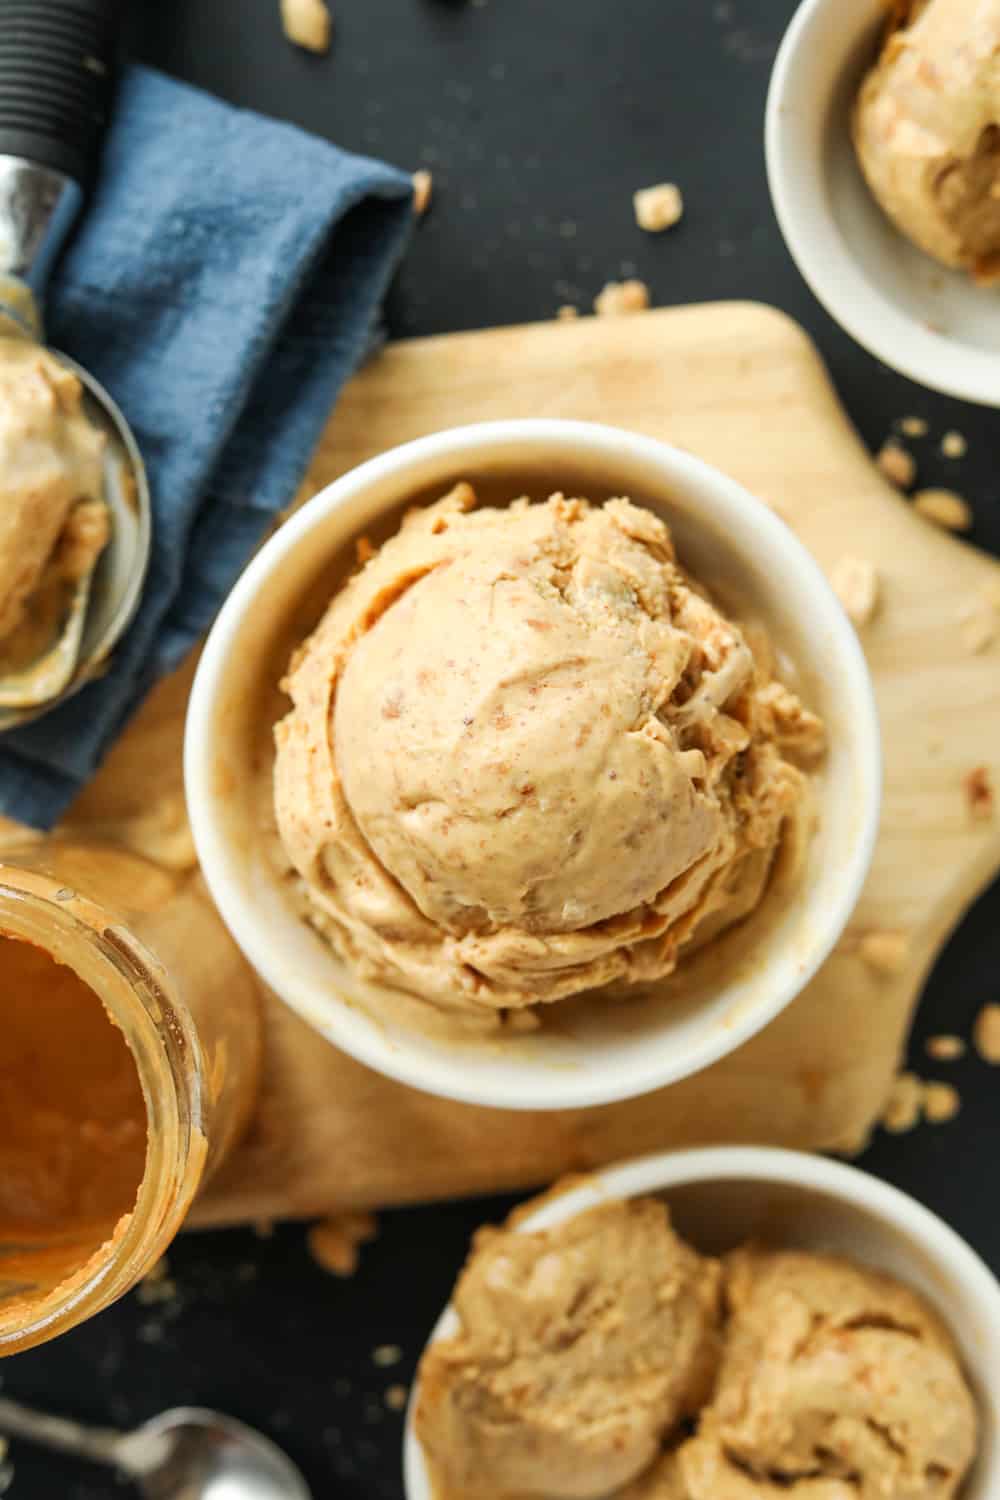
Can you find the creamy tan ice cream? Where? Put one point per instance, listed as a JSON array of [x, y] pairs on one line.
[[52, 512], [581, 1349], [528, 756], [836, 1381], [927, 130]]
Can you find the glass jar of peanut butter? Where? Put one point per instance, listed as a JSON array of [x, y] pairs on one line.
[[129, 1059]]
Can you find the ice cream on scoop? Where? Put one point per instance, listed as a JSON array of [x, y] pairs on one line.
[[581, 1349], [927, 130], [529, 756], [837, 1382], [53, 519]]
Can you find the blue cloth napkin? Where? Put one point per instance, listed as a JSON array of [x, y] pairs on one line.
[[225, 282]]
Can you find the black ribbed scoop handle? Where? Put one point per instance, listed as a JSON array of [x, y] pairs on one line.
[[57, 64]]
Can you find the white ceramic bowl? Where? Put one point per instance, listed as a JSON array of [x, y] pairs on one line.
[[604, 1052], [932, 324], [726, 1195]]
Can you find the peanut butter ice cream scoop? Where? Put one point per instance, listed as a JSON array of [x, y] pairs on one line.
[[51, 478], [927, 130], [529, 756], [581, 1349], [837, 1382]]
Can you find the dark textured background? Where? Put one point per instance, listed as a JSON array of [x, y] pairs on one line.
[[538, 118]]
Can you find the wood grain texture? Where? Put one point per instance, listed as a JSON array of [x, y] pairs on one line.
[[741, 386]]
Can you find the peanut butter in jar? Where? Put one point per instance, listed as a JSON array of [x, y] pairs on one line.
[[129, 1058]]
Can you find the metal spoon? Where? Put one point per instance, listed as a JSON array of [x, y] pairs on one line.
[[56, 71], [185, 1454]]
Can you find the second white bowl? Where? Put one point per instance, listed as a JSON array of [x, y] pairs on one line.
[[598, 1052], [931, 324], [722, 1197]]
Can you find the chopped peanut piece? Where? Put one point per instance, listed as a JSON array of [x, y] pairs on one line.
[[979, 793], [567, 313], [902, 1108], [986, 1034], [386, 1354], [621, 297], [396, 1397], [885, 952], [897, 464], [855, 583], [953, 445], [658, 208], [307, 23], [980, 624], [423, 187], [334, 1243], [914, 427], [945, 1048], [942, 1102], [944, 508]]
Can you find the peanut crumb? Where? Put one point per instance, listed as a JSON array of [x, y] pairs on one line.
[[902, 1108], [913, 427], [856, 584], [157, 1285], [886, 952], [944, 508], [423, 189], [566, 313], [334, 1243], [659, 207], [953, 445], [386, 1354], [941, 1102], [979, 793], [986, 1034], [979, 624], [307, 23], [945, 1048], [619, 297], [897, 464], [396, 1397]]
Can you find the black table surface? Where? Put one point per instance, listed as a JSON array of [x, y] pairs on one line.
[[538, 118]]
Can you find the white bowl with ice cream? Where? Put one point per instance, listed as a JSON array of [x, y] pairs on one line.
[[597, 1049], [931, 323], [724, 1197]]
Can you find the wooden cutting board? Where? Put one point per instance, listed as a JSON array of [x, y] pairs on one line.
[[740, 385]]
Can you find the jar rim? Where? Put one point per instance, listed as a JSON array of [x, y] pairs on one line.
[[136, 993]]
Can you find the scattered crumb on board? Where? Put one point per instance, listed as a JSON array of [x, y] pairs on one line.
[[945, 1048], [953, 445], [157, 1285], [913, 427], [855, 582], [980, 623], [621, 297], [423, 189], [396, 1397], [897, 464], [659, 207], [944, 508], [986, 1034], [334, 1243], [566, 313], [307, 23], [385, 1355], [978, 789], [884, 951]]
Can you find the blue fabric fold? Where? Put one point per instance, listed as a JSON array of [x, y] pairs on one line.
[[227, 279]]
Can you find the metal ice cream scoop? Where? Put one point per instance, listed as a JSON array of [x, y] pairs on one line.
[[185, 1454], [56, 77]]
